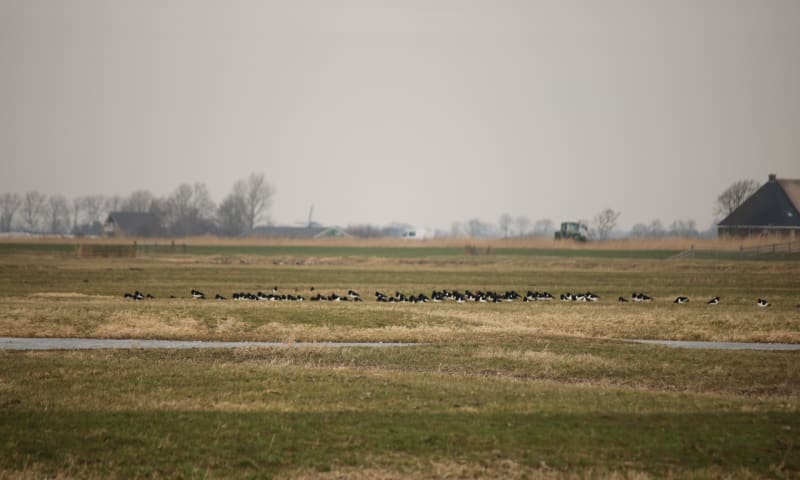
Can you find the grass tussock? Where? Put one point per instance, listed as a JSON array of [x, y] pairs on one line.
[[128, 324]]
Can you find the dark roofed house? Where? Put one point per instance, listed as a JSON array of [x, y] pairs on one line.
[[132, 224], [298, 232], [773, 211]]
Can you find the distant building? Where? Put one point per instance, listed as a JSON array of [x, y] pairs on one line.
[[298, 232], [132, 224], [772, 211]]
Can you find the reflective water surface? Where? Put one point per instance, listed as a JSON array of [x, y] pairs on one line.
[[722, 345], [11, 343]]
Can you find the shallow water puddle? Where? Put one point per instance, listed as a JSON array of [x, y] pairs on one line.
[[11, 343], [722, 345]]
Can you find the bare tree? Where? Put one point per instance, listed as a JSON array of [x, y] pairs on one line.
[[604, 222], [640, 231], [232, 216], [190, 201], [113, 203], [543, 228], [478, 228], [9, 204], [75, 213], [94, 206], [504, 224], [734, 196], [457, 229], [656, 229], [160, 208], [257, 196], [138, 201], [57, 214], [522, 223], [189, 210], [32, 210], [683, 228]]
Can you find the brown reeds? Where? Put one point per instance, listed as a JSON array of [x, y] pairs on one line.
[[667, 243]]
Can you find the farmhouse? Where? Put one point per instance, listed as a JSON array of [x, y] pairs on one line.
[[132, 224], [772, 211], [298, 232]]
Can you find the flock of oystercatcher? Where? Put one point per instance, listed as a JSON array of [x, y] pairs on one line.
[[137, 295], [437, 296]]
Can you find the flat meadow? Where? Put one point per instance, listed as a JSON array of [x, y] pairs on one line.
[[544, 389]]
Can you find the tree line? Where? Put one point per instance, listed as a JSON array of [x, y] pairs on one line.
[[188, 210], [602, 224], [600, 227]]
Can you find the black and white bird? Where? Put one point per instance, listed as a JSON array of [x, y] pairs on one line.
[[197, 294], [137, 295], [641, 297], [681, 300], [622, 300], [713, 301], [761, 302], [219, 297]]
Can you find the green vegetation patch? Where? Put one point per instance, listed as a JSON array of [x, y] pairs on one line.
[[229, 414], [492, 390]]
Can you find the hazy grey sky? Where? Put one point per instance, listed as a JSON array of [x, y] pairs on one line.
[[418, 111]]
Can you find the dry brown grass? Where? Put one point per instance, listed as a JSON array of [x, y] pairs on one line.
[[498, 469], [37, 472], [668, 243], [430, 470], [547, 360], [396, 468], [145, 325], [95, 316]]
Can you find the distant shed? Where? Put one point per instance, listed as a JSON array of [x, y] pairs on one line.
[[772, 211], [298, 232], [132, 224]]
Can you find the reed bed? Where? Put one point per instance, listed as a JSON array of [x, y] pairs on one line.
[[666, 243]]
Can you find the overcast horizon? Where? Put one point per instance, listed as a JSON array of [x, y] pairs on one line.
[[419, 112]]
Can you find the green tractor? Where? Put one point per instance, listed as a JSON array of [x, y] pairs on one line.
[[573, 230]]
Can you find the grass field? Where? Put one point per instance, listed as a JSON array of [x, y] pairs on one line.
[[511, 390]]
